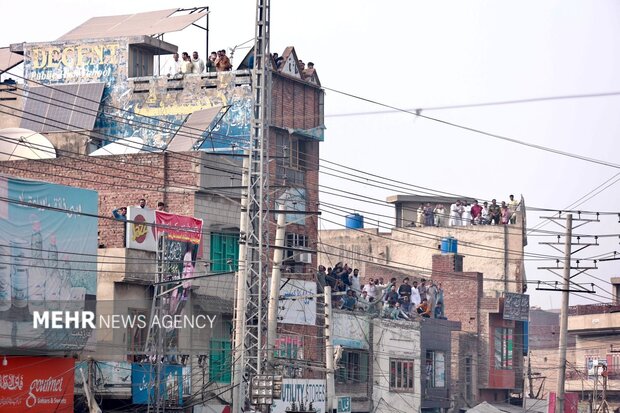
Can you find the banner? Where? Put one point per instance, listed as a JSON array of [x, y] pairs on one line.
[[36, 385], [145, 224], [48, 260], [179, 227]]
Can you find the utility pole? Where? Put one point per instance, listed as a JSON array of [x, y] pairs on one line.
[[249, 340], [329, 352], [274, 290], [559, 403], [566, 290]]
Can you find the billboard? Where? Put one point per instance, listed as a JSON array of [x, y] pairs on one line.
[[48, 260], [516, 307], [36, 385], [143, 382], [298, 390], [297, 311], [350, 331]]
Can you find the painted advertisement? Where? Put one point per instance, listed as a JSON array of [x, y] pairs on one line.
[[300, 311], [74, 62], [108, 375], [350, 331], [144, 381], [36, 385], [48, 260], [301, 390]]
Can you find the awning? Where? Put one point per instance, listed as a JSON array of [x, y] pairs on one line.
[[8, 59], [69, 107], [191, 132], [138, 24]]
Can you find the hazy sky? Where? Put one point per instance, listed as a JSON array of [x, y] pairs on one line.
[[420, 54]]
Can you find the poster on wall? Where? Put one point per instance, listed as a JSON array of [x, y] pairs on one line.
[[48, 261], [36, 385]]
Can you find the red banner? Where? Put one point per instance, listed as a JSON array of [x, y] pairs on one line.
[[179, 227], [37, 385]]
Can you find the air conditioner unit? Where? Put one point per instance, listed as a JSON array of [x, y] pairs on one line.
[[305, 257]]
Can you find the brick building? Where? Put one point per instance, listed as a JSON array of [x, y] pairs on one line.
[[487, 352], [189, 166]]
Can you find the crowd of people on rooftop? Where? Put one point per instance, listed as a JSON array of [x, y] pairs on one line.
[[377, 298], [186, 64], [462, 213]]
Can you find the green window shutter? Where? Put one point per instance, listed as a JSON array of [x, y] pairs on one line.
[[224, 247], [220, 361], [363, 367]]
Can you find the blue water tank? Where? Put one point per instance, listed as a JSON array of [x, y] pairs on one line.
[[354, 221], [449, 245]]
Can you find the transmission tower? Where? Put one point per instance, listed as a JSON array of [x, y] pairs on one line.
[[250, 312]]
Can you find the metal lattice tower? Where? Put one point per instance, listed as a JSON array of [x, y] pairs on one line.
[[250, 311]]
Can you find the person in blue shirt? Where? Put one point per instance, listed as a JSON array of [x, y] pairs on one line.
[[120, 213]]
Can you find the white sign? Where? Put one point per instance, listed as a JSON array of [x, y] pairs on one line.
[[141, 229], [298, 390], [350, 330], [297, 311]]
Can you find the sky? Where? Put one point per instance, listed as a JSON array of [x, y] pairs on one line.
[[418, 54]]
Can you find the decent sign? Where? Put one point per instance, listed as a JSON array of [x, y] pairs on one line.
[[36, 385]]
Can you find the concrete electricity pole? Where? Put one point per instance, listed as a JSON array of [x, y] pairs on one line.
[[566, 290], [559, 402]]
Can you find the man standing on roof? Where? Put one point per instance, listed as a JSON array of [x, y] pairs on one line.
[[198, 63]]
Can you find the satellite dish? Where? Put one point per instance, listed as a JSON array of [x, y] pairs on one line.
[[121, 146], [18, 144]]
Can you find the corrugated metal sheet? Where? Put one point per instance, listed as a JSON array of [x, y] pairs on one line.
[[138, 24], [8, 59]]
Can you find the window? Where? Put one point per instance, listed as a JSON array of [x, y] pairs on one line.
[[224, 252], [220, 360], [294, 240], [352, 367], [289, 347], [503, 348], [136, 337], [435, 369], [468, 377], [401, 375], [613, 365]]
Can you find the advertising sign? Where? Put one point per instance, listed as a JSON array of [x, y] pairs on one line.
[[297, 311], [298, 390], [350, 331], [141, 229], [36, 385], [344, 405], [144, 378], [145, 224], [48, 260], [516, 307]]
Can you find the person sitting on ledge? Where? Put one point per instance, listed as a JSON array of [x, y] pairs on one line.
[[424, 309]]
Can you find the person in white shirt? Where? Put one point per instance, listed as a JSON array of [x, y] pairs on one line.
[[456, 213], [198, 63], [172, 66], [466, 220], [485, 213], [355, 281], [371, 290], [415, 295]]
